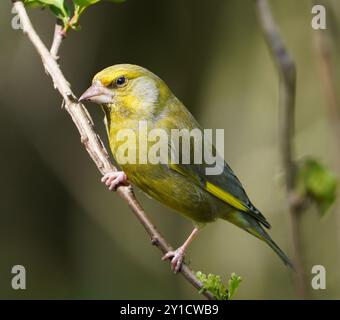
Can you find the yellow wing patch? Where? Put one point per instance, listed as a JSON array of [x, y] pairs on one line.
[[225, 196], [216, 191]]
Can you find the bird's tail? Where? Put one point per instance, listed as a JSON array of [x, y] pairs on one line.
[[250, 225], [266, 238]]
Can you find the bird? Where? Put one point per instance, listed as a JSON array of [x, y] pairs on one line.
[[130, 95]]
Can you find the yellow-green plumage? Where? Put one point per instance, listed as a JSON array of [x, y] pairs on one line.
[[185, 188]]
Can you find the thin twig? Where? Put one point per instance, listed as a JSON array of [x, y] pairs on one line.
[[92, 142], [287, 71], [57, 40]]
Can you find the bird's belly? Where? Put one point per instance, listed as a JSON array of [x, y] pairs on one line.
[[164, 184], [175, 191]]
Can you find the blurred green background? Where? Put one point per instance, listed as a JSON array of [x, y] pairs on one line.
[[76, 239]]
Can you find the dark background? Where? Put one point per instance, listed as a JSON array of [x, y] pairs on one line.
[[76, 239]]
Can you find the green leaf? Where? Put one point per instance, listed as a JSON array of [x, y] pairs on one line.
[[233, 284], [33, 3], [63, 16], [318, 182], [59, 4], [58, 7], [85, 3], [62, 12], [81, 5], [213, 284]]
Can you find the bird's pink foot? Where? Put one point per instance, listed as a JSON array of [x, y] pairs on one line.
[[114, 179], [177, 258]]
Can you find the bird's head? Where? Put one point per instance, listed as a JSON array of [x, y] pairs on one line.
[[128, 88]]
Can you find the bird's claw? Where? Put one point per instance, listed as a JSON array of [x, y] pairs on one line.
[[177, 258], [114, 179]]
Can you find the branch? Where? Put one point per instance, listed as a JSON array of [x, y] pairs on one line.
[[287, 71], [57, 40], [92, 142]]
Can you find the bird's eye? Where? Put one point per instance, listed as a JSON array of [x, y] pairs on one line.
[[121, 81]]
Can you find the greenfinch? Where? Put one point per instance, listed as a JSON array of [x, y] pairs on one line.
[[129, 94]]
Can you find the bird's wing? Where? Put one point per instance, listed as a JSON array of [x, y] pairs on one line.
[[225, 186]]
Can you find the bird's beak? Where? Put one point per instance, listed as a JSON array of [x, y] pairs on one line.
[[97, 93]]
